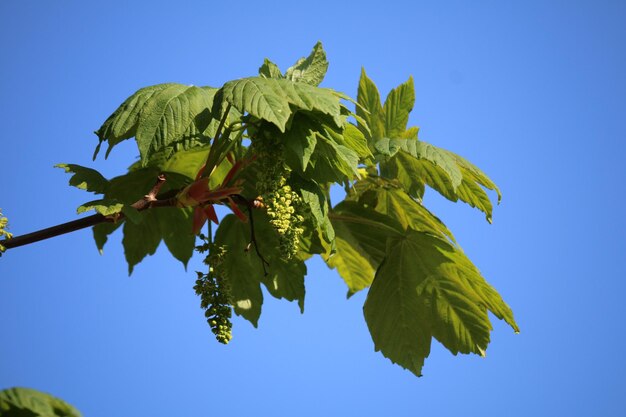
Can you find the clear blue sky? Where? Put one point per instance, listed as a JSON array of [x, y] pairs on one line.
[[534, 93]]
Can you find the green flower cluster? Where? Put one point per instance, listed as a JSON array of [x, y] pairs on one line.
[[214, 291], [281, 208], [281, 202], [3, 232]]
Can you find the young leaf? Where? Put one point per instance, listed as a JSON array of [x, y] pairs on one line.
[[270, 70], [398, 105], [310, 70], [106, 207], [369, 108], [186, 162]]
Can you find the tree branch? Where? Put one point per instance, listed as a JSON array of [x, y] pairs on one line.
[[146, 202], [53, 231]]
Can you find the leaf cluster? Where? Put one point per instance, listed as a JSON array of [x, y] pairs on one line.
[[421, 284]]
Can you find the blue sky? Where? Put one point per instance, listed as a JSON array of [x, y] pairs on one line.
[[533, 93]]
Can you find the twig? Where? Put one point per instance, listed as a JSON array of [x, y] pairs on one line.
[[53, 231], [150, 198], [147, 201]]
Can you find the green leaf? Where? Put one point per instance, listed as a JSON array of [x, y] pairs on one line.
[[440, 159], [175, 113], [300, 141], [132, 214], [26, 402], [470, 190], [106, 207], [360, 235], [310, 70], [387, 198], [187, 162], [472, 194], [425, 164], [425, 288], [160, 117], [398, 105], [355, 140], [332, 162], [314, 198], [122, 124], [284, 279], [386, 147], [440, 174], [101, 233], [175, 226], [134, 185], [270, 70], [244, 268], [85, 178], [370, 108], [473, 173], [141, 239], [272, 100], [411, 174]]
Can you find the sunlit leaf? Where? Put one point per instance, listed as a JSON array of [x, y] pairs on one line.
[[398, 105], [270, 70], [370, 108], [310, 70], [272, 99], [388, 198], [106, 207], [159, 117], [424, 288], [361, 237]]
